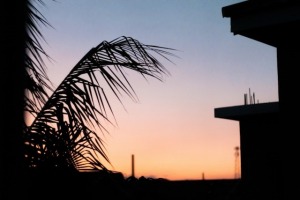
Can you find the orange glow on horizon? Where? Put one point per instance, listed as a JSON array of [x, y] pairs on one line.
[[171, 130]]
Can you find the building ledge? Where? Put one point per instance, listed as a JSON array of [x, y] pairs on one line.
[[246, 111]]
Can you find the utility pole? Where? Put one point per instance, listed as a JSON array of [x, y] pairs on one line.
[[237, 162]]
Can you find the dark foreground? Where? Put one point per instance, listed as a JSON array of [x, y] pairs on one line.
[[95, 185], [185, 189]]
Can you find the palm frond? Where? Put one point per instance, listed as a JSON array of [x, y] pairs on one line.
[[37, 82], [80, 104]]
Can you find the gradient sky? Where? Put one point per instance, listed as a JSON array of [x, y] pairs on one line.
[[171, 131]]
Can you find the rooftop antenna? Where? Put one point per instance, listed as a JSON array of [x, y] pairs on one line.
[[251, 98]]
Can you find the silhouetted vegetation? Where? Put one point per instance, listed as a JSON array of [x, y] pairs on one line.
[[62, 139], [64, 133]]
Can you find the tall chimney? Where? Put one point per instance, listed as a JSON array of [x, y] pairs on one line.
[[132, 165]]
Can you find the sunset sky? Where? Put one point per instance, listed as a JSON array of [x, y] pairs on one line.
[[171, 131]]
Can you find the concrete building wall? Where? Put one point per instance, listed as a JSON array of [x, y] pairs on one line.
[[261, 145]]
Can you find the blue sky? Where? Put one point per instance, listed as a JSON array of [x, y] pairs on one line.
[[172, 130]]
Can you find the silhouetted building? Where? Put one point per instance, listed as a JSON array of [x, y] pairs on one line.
[[275, 23], [259, 146]]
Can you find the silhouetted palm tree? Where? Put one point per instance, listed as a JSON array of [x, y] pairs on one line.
[[64, 133]]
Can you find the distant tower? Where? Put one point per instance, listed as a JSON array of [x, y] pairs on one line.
[[237, 162], [132, 165]]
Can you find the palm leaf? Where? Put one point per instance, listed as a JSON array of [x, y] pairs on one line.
[[64, 130], [37, 82]]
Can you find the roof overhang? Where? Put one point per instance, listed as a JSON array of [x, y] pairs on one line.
[[275, 22]]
